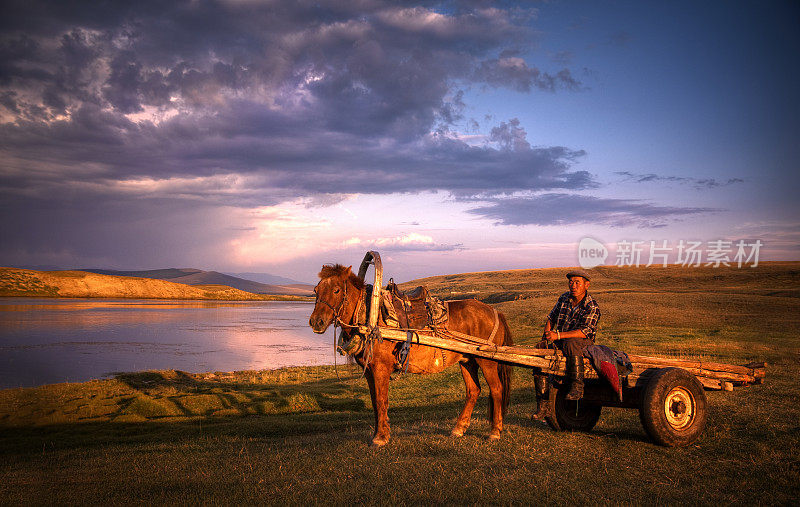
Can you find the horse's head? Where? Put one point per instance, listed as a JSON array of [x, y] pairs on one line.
[[337, 294]]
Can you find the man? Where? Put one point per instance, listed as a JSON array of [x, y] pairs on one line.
[[571, 327]]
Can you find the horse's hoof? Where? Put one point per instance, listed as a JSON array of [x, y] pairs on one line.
[[379, 442], [457, 433], [494, 436]]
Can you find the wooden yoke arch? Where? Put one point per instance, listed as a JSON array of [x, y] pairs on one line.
[[373, 258]]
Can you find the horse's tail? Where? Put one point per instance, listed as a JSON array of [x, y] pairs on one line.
[[504, 370]]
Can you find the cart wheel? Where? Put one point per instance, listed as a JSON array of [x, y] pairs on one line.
[[572, 416], [673, 408]]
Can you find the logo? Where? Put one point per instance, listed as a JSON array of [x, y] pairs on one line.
[[591, 253]]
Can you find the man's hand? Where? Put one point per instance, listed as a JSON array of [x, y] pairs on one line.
[[552, 336]]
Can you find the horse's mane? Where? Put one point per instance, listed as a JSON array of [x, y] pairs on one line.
[[329, 270]]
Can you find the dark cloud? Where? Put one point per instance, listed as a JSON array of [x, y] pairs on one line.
[[281, 152], [129, 105], [566, 209], [510, 136], [298, 92], [696, 182], [376, 55], [513, 72], [711, 182]]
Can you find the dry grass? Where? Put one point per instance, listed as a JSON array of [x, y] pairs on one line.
[[300, 435]]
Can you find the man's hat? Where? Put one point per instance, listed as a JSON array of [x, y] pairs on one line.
[[578, 272]]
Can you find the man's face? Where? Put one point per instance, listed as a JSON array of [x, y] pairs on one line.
[[578, 286]]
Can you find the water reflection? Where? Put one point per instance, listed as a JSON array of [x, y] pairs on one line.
[[56, 340]]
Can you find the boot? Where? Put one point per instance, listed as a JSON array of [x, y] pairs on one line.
[[575, 369], [542, 385]]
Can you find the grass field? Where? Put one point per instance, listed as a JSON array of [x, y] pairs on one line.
[[300, 435]]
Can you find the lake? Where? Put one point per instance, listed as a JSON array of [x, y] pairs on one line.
[[44, 341]]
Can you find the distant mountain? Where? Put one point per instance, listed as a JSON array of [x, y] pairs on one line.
[[158, 274], [268, 278], [191, 276], [48, 267]]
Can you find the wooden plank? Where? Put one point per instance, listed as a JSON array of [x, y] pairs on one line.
[[748, 373], [544, 359], [691, 363], [700, 372], [532, 351], [712, 383], [456, 346], [760, 369]]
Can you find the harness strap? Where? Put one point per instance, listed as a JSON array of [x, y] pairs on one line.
[[403, 354], [359, 306], [469, 338], [356, 314]]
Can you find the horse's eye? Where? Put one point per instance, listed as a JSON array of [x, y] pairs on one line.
[[336, 290]]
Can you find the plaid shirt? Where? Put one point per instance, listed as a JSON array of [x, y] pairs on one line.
[[563, 317]]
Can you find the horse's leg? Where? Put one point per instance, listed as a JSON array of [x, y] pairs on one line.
[[492, 376], [380, 402], [469, 370], [371, 383]]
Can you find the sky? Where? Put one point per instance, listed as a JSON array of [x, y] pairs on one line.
[[275, 136]]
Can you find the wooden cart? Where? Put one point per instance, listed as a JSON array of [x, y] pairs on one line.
[[669, 393]]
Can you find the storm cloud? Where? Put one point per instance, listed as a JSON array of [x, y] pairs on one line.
[[567, 209], [295, 98]]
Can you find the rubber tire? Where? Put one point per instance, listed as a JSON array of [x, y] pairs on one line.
[[652, 411], [564, 418]]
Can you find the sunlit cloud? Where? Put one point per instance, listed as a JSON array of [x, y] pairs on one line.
[[279, 233], [406, 242], [153, 114]]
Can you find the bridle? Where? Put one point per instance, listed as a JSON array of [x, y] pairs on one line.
[[337, 320]]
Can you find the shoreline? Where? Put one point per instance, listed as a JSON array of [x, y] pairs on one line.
[[218, 376], [267, 297]]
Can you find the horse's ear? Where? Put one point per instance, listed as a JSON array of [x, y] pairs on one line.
[[349, 270]]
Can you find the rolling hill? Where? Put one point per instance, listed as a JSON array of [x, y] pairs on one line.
[[191, 276], [16, 282], [268, 278]]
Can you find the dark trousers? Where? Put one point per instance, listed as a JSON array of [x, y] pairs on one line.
[[569, 346]]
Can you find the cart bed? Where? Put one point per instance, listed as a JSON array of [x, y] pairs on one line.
[[712, 375]]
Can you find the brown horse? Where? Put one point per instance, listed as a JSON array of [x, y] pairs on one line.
[[340, 294]]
